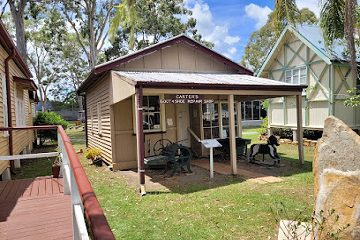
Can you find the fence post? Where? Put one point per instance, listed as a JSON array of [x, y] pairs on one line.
[[65, 168]]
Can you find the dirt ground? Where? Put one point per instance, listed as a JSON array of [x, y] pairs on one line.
[[157, 181]]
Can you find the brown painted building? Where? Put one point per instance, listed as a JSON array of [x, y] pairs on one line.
[[16, 100], [178, 66]]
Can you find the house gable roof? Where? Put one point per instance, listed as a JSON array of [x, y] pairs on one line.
[[101, 69], [311, 36]]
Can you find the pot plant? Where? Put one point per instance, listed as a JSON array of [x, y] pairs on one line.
[[56, 167], [93, 154]]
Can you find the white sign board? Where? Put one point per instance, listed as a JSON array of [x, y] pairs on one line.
[[211, 143]]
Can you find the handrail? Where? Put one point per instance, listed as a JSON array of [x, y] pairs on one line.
[[94, 214], [193, 134]]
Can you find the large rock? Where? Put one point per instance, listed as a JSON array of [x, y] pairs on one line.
[[339, 148], [339, 193]]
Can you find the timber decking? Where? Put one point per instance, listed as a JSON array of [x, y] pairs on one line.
[[35, 209]]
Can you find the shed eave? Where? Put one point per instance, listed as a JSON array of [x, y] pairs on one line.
[[201, 86]]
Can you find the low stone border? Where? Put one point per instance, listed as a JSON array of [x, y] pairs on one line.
[[306, 142]]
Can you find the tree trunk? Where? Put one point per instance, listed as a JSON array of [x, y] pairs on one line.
[[20, 37], [92, 37], [350, 20], [80, 102], [17, 13]]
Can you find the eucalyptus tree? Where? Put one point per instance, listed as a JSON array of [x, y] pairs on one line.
[[21, 10], [159, 20], [89, 19], [17, 9], [45, 38]]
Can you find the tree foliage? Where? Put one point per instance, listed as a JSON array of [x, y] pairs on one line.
[[89, 19], [159, 20], [285, 12], [332, 20], [261, 41], [45, 39], [49, 118], [339, 20]]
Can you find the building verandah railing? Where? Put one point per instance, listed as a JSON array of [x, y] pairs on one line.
[[86, 210]]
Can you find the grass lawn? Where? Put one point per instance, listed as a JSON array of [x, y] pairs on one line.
[[235, 209]]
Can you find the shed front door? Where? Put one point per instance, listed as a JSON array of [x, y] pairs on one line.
[[182, 123]]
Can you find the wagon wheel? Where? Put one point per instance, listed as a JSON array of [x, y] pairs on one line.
[[160, 145]]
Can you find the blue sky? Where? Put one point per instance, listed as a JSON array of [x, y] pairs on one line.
[[229, 23]]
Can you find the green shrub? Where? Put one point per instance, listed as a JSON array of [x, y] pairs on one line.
[[312, 134], [264, 126], [283, 132], [92, 153], [49, 118]]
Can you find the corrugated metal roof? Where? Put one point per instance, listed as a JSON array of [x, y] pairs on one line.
[[200, 78], [314, 34]]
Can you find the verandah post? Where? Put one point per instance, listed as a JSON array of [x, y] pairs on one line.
[[232, 140], [299, 128], [140, 138]]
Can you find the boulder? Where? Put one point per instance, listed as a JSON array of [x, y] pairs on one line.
[[339, 200], [339, 148]]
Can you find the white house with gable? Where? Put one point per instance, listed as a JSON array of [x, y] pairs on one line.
[[301, 56]]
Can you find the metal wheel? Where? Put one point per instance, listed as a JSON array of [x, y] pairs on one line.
[[160, 145]]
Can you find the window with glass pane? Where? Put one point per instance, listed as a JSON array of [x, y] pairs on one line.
[[303, 79], [210, 117], [151, 113], [288, 76], [248, 111], [296, 75], [225, 120], [242, 111], [256, 110]]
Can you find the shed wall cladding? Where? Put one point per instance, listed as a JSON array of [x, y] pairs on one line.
[[179, 57], [98, 121], [4, 141], [125, 138], [21, 139]]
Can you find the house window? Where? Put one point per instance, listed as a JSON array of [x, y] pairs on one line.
[[296, 76], [225, 120], [5, 106], [252, 110], [19, 108], [210, 116], [99, 118], [151, 113]]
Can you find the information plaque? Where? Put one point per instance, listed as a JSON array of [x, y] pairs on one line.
[[211, 143]]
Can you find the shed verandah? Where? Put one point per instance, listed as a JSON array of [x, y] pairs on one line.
[[230, 86]]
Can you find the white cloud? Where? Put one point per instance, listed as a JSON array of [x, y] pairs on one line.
[[210, 30], [313, 5], [231, 40], [232, 50], [257, 13]]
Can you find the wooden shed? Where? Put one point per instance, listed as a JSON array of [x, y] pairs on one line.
[[17, 101], [129, 100]]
